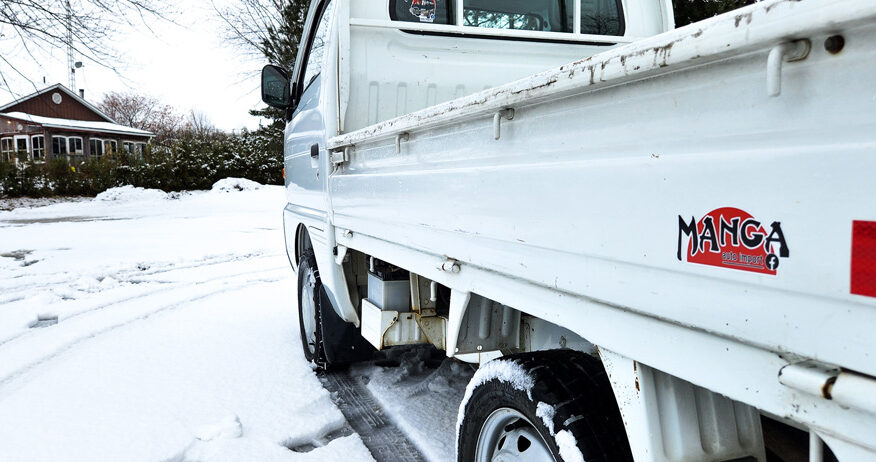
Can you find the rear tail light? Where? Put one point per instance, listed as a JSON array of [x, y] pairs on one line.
[[864, 258]]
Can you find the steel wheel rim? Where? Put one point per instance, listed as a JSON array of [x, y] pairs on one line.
[[308, 312], [508, 436]]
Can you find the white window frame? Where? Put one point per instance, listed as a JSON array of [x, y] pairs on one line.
[[6, 153], [137, 147], [113, 143], [99, 142], [66, 147], [459, 28], [27, 153], [70, 146], [33, 148]]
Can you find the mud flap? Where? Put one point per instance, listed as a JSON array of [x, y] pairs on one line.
[[341, 340]]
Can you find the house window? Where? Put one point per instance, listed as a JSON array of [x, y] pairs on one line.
[[39, 147], [6, 151], [95, 147], [110, 147], [59, 146], [75, 145], [134, 148]]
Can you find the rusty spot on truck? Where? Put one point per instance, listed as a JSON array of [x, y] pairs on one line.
[[636, 373], [740, 17], [827, 387]]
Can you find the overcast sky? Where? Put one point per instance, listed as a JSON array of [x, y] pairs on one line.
[[188, 66]]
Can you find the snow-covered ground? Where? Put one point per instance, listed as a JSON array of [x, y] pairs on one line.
[[142, 326]]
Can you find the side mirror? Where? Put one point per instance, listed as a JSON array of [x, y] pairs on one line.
[[275, 87]]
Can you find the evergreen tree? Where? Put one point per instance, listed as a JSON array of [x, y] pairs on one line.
[[690, 11]]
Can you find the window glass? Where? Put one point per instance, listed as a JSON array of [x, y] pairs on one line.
[[21, 145], [129, 147], [6, 149], [75, 145], [429, 11], [59, 146], [95, 147], [38, 144], [317, 48], [537, 15], [598, 17], [110, 147], [601, 17]]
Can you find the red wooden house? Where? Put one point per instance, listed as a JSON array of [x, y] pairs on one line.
[[57, 123]]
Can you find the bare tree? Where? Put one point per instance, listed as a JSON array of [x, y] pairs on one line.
[[198, 124], [86, 26], [266, 29], [143, 112]]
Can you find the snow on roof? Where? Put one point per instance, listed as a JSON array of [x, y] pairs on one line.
[[52, 122], [66, 90]]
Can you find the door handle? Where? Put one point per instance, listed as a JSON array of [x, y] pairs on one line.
[[314, 156]]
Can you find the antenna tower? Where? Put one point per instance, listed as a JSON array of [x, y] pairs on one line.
[[70, 62]]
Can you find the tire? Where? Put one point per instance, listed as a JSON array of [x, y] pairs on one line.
[[309, 318], [548, 405], [327, 340]]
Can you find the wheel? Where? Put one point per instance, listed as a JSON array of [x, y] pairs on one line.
[[309, 288], [326, 339], [546, 406]]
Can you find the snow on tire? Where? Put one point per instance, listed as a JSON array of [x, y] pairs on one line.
[[548, 405]]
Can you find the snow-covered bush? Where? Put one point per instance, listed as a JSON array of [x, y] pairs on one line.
[[130, 193], [188, 163], [235, 184]]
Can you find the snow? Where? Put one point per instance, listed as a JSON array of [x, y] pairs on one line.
[[130, 193], [546, 412], [235, 184], [53, 122], [565, 440], [418, 389], [504, 370], [141, 328], [568, 447], [31, 202]]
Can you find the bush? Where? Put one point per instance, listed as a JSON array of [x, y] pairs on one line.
[[191, 162]]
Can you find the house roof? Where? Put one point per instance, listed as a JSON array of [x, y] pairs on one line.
[[69, 124], [69, 93]]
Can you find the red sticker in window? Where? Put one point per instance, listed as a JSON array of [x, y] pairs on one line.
[[864, 258], [732, 238]]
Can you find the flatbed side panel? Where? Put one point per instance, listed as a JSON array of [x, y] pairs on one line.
[[584, 195]]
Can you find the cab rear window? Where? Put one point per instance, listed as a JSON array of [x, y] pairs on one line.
[[599, 17]]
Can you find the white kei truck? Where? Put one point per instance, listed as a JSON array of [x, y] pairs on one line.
[[658, 243]]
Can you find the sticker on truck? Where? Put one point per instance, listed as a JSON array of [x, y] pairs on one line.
[[732, 238], [424, 9]]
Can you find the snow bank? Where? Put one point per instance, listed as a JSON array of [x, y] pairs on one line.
[[235, 184], [130, 193]]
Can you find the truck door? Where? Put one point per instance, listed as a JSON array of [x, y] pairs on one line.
[[305, 133]]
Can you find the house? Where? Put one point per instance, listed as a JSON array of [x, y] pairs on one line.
[[57, 123]]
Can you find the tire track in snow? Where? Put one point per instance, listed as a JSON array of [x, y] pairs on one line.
[[386, 442], [176, 286], [67, 346], [128, 273]]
